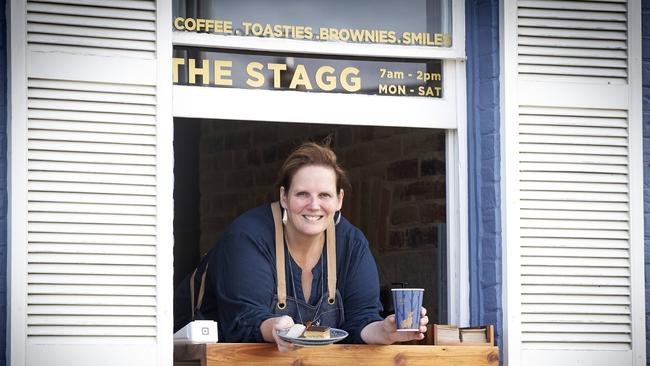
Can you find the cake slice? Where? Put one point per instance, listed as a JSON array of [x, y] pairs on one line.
[[317, 332]]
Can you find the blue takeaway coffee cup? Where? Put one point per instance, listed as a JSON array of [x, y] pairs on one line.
[[407, 302]]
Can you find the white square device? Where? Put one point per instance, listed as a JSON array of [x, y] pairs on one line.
[[198, 331]]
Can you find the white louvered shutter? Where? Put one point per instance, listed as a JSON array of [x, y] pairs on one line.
[[575, 235], [580, 288], [125, 28], [572, 41], [94, 258], [91, 210]]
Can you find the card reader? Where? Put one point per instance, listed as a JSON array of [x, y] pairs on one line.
[[198, 331]]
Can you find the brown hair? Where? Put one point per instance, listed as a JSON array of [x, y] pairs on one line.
[[311, 153]]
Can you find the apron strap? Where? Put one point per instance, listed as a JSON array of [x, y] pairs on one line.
[[279, 259], [199, 301], [331, 263], [279, 256]]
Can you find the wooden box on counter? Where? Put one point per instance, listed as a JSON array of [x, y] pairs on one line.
[[487, 331]]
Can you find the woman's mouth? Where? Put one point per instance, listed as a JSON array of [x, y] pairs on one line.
[[312, 218]]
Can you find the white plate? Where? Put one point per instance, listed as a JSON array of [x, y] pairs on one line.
[[335, 336]]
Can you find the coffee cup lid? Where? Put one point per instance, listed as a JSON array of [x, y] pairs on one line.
[[407, 289]]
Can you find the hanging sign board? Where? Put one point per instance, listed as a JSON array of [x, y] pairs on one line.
[[247, 70], [410, 23]]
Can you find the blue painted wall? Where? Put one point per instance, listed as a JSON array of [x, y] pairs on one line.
[[645, 64], [3, 183], [484, 174]]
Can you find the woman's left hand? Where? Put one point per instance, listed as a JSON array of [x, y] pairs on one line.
[[390, 328]]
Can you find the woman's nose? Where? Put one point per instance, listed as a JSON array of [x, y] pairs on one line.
[[314, 203]]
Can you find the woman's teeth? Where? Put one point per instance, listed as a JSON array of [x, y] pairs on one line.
[[312, 218]]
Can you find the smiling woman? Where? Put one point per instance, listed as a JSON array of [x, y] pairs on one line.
[[329, 277]]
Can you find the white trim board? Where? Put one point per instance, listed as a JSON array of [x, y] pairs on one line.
[[510, 177], [635, 118], [17, 189], [165, 185], [292, 106], [457, 215]]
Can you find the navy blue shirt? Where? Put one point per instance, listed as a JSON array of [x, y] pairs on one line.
[[241, 280]]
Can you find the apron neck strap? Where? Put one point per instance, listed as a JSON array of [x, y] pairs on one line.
[[279, 256], [331, 263], [330, 233]]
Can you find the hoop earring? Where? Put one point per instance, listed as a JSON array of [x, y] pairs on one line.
[[337, 217], [284, 216]]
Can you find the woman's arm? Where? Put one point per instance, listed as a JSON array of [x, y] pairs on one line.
[[361, 300], [245, 287]]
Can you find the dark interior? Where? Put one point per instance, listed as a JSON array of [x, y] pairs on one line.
[[398, 194]]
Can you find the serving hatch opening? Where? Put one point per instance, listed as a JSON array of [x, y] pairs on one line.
[[398, 192]]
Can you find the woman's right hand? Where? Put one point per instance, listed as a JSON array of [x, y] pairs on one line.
[[275, 325]]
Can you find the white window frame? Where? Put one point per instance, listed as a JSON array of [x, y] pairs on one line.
[[447, 113], [418, 111]]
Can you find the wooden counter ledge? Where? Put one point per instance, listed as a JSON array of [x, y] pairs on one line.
[[218, 354]]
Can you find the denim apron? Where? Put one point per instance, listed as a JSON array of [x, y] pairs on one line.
[[328, 310]]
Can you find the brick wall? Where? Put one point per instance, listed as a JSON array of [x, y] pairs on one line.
[[645, 20], [484, 175], [3, 183], [397, 196]]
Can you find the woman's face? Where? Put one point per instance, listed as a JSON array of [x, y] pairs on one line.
[[311, 200]]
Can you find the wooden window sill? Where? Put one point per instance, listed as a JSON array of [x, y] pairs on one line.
[[338, 354]]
